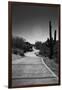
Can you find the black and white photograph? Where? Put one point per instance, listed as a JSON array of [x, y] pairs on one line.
[[35, 44]]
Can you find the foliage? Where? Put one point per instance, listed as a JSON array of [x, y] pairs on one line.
[[38, 45], [44, 49], [21, 46]]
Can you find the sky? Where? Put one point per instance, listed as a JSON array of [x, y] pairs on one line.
[[32, 23]]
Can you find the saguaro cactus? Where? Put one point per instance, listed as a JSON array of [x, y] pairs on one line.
[[50, 32], [51, 40]]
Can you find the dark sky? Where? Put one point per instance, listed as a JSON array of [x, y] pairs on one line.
[[32, 23]]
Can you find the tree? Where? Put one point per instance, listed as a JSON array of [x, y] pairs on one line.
[[18, 42], [38, 44]]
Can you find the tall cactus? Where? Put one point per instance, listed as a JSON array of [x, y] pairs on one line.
[[51, 40], [50, 32]]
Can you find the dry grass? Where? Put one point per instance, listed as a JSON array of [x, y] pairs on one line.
[[52, 65]]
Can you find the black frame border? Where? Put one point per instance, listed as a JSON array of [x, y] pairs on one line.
[[10, 4]]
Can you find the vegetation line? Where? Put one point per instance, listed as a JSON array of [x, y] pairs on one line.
[[49, 68]]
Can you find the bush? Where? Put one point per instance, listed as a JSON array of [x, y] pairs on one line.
[[20, 45], [14, 51], [38, 45], [17, 51], [18, 42]]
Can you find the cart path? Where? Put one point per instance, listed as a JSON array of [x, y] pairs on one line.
[[31, 71]]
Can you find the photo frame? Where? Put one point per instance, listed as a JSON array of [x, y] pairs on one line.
[[33, 44]]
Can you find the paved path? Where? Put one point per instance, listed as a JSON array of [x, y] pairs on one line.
[[31, 71]]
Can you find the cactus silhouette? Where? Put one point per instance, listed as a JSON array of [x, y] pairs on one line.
[[51, 40], [50, 32]]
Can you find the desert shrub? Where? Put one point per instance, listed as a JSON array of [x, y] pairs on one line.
[[56, 52], [18, 52], [44, 49], [14, 51], [28, 47], [18, 42], [38, 45], [21, 46]]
